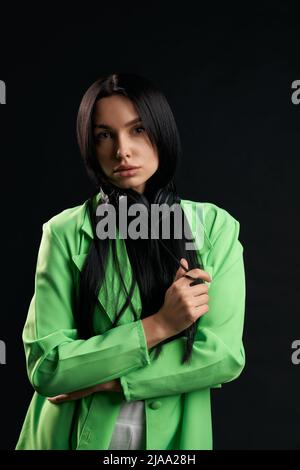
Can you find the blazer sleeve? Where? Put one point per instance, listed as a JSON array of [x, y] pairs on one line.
[[218, 354], [56, 360]]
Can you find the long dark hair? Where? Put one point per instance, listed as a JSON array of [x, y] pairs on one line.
[[154, 262]]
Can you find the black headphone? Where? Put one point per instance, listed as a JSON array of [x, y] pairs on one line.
[[161, 196]]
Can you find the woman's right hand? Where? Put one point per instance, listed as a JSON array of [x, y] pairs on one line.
[[183, 303]]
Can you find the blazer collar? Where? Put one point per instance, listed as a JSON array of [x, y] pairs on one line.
[[113, 299], [86, 224]]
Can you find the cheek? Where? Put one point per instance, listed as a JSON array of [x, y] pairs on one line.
[[103, 162], [154, 162]]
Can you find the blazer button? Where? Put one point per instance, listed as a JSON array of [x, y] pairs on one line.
[[154, 405]]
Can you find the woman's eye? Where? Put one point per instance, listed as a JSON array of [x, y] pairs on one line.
[[104, 135], [140, 127], [101, 135]]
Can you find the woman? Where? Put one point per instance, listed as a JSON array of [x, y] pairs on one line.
[[121, 345]]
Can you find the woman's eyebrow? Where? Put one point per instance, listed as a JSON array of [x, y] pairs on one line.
[[106, 126]]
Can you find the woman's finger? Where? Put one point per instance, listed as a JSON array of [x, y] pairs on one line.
[[61, 398], [180, 271], [70, 396]]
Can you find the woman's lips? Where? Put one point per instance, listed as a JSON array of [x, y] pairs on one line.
[[130, 172]]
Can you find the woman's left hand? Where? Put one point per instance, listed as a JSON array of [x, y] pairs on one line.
[[111, 386]]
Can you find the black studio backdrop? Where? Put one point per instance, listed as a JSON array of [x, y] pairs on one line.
[[228, 77]]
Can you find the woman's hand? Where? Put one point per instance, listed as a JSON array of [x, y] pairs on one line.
[[111, 386], [184, 303]]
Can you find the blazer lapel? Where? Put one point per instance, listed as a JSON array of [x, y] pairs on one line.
[[111, 296]]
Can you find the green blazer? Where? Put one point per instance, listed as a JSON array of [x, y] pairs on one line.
[[177, 397]]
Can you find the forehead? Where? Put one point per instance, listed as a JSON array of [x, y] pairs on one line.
[[114, 111]]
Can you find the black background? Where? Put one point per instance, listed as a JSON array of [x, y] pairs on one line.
[[227, 75]]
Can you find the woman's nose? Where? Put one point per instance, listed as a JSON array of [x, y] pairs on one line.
[[122, 148], [122, 153]]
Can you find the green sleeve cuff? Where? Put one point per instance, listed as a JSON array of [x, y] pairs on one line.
[[143, 341], [124, 385], [143, 344]]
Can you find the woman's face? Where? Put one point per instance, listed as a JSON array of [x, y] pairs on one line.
[[121, 140]]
